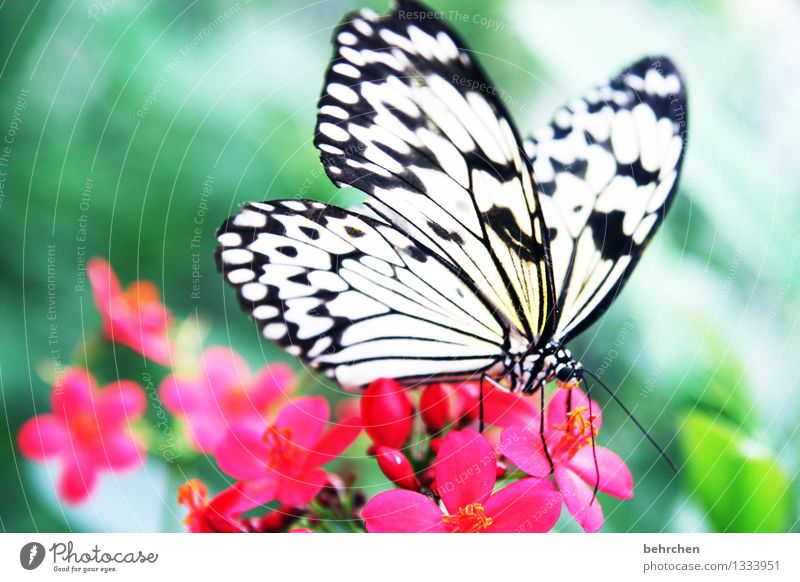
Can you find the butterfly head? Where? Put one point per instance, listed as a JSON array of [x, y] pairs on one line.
[[549, 363]]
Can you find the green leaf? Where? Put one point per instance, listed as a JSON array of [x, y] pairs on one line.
[[737, 480]]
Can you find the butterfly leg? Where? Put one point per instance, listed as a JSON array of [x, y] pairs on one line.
[[486, 378], [541, 429], [480, 405], [594, 448]]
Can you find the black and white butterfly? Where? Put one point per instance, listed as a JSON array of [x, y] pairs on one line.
[[481, 253]]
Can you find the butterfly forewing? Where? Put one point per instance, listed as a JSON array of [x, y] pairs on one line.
[[408, 117], [353, 296], [607, 169]]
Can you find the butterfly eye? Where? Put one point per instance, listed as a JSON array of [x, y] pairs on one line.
[[565, 372]]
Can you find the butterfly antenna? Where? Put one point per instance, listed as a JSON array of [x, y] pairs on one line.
[[630, 415]]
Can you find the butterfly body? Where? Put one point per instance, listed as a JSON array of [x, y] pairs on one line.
[[530, 370], [479, 253]]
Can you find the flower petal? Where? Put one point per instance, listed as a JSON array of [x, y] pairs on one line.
[[273, 384], [243, 496], [401, 511], [334, 441], [120, 403], [42, 436], [306, 418], [615, 477], [104, 282], [223, 369], [181, 396], [77, 481], [501, 408], [578, 499], [525, 506], [242, 454], [300, 489], [524, 448], [154, 346], [73, 393], [466, 469], [120, 450], [207, 430]]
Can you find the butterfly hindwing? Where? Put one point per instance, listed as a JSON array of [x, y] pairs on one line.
[[354, 296], [408, 117], [607, 169]]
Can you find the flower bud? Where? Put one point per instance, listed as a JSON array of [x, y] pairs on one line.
[[387, 413], [396, 466], [466, 397], [501, 470], [434, 407]]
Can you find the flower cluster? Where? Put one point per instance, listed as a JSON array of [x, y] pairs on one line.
[[279, 451], [561, 445]]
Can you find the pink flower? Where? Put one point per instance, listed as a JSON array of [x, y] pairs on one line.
[[502, 408], [225, 396], [134, 317], [387, 412], [283, 461], [568, 431], [88, 430], [465, 476]]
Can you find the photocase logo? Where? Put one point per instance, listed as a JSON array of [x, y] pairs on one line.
[[31, 555]]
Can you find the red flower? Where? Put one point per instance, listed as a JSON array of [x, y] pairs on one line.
[[283, 462], [134, 317], [88, 430], [225, 396], [465, 477], [215, 516], [222, 514], [387, 413], [567, 435]]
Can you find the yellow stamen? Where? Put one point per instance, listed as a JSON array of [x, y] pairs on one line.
[[194, 496], [469, 519], [578, 430], [282, 449]]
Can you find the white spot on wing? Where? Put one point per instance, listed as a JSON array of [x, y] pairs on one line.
[[347, 38], [343, 93], [230, 239], [265, 312], [623, 138], [250, 219], [238, 276], [254, 291], [236, 256], [274, 331]]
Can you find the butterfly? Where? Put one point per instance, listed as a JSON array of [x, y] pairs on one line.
[[479, 253]]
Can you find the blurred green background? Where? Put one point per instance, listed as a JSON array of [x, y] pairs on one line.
[[119, 112]]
